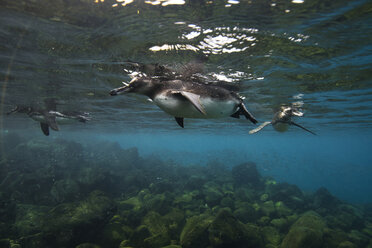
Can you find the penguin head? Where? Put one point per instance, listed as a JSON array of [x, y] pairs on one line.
[[290, 111], [139, 85]]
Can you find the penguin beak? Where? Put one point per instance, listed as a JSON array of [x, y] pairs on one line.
[[120, 90]]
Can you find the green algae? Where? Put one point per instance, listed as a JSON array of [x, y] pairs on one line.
[[222, 212], [195, 232]]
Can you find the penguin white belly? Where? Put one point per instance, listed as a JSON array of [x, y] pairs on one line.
[[179, 107], [281, 127], [59, 120]]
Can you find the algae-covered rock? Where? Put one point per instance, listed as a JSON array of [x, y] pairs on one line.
[[29, 219], [282, 210], [69, 223], [195, 182], [244, 194], [245, 212], [306, 232], [289, 194], [65, 190], [268, 208], [227, 231], [264, 221], [323, 199], [159, 203], [183, 199], [5, 243], [333, 237], [174, 220], [346, 244], [113, 234], [212, 193], [195, 233], [34, 241], [156, 241], [271, 235], [140, 234], [281, 224], [227, 202], [358, 238], [246, 173], [158, 229], [88, 245], [129, 204], [349, 217]]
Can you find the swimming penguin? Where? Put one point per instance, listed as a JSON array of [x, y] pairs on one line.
[[282, 120], [187, 98], [50, 118]]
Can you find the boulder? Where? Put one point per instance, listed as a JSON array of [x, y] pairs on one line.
[[195, 232], [306, 232], [227, 231], [70, 224], [323, 199]]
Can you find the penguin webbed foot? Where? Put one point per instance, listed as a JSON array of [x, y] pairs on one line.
[[243, 111], [179, 121], [45, 128], [304, 128]]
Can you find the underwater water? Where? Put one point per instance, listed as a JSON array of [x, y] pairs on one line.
[[131, 177]]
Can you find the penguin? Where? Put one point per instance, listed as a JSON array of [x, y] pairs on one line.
[[282, 120], [48, 118], [185, 98]]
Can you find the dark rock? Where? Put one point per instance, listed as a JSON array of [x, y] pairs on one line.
[[65, 191], [347, 244], [139, 235], [245, 212], [34, 241], [159, 203], [358, 238], [29, 219], [227, 231], [227, 202], [323, 199], [88, 245], [175, 220], [281, 224], [195, 182], [70, 224], [271, 236], [291, 195], [333, 237], [112, 235], [5, 243], [246, 173], [268, 208], [212, 193]]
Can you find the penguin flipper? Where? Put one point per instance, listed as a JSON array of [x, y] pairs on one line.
[[44, 128], [244, 111], [193, 98], [51, 121], [298, 125], [179, 121], [15, 109], [260, 127], [236, 115]]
